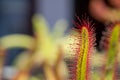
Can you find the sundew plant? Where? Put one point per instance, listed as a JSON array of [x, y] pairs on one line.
[[81, 66]]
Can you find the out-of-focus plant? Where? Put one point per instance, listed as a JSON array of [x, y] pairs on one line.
[[48, 52], [49, 48], [44, 49], [2, 59], [13, 41], [110, 43], [97, 62]]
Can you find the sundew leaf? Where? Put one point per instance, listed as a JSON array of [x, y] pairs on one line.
[[83, 55], [111, 37], [112, 50], [81, 66]]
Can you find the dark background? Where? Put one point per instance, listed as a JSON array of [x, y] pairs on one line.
[[81, 9], [9, 20]]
